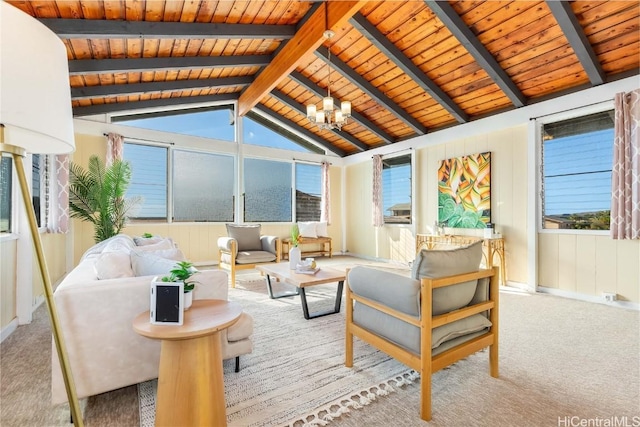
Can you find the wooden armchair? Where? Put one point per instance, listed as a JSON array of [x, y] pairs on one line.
[[445, 312], [245, 247]]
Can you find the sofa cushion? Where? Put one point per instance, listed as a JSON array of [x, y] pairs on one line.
[[440, 263], [149, 263], [254, 257], [247, 236], [113, 265]]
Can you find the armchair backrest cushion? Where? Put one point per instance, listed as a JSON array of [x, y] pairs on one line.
[[395, 291], [441, 263], [247, 236]]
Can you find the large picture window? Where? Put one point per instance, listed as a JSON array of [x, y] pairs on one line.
[[202, 187], [6, 177], [577, 156], [148, 179], [396, 189], [267, 191]]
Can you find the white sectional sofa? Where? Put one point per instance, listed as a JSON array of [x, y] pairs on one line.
[[96, 317]]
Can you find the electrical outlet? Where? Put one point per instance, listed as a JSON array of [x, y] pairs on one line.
[[609, 296]]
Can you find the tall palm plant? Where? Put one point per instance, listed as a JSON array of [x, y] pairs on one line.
[[96, 195]]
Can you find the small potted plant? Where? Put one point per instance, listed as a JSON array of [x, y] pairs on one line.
[[182, 272], [294, 253]]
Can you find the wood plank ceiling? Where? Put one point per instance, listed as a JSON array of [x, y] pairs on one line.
[[408, 67]]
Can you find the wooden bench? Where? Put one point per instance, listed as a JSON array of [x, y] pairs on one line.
[[324, 250]]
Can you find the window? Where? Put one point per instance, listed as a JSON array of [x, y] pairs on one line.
[[308, 192], [267, 191], [258, 130], [148, 179], [396, 189], [210, 122], [37, 189], [577, 157], [6, 177], [202, 187]]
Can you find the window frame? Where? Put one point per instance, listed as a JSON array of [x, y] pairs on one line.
[[412, 189], [539, 127]]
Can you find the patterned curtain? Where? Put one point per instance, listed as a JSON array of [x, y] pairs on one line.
[[625, 177], [378, 219], [57, 194], [115, 145], [325, 208]]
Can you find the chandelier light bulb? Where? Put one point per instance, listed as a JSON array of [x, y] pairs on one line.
[[327, 104], [311, 112]]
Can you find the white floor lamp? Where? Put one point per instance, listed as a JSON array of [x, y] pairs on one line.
[[36, 117]]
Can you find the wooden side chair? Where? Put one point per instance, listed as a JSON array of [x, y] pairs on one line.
[[445, 312]]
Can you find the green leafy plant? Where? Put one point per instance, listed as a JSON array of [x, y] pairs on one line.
[[147, 235], [295, 235], [182, 272], [96, 195]]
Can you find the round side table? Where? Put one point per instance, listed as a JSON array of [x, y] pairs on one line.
[[190, 378]]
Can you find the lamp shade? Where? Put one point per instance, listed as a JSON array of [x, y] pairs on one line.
[[35, 98]]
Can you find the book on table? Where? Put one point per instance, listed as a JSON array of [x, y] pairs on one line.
[[306, 270]]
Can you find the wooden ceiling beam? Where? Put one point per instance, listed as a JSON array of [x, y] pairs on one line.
[[362, 120], [390, 50], [375, 93], [296, 106], [153, 103], [308, 38], [87, 92], [450, 18], [574, 33], [116, 29], [312, 136], [128, 65]]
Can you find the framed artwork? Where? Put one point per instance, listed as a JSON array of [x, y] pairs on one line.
[[464, 191]]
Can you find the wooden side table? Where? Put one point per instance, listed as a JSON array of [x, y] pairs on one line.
[[190, 379]]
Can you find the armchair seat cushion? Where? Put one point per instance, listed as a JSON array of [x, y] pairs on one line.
[[247, 236], [254, 257], [408, 336]]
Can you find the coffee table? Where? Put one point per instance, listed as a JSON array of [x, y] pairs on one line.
[[282, 272], [190, 379]]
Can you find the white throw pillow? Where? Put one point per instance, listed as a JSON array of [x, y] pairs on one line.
[[144, 241], [159, 246], [321, 229], [150, 264], [113, 265], [118, 244], [307, 229]]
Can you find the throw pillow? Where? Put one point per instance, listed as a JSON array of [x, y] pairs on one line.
[[162, 245], [150, 264], [440, 263], [113, 265], [321, 229], [247, 236], [143, 241], [307, 229], [119, 244]]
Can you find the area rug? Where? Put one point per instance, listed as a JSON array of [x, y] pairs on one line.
[[296, 375]]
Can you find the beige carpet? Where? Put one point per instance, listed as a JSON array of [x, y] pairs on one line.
[[560, 360], [296, 373]]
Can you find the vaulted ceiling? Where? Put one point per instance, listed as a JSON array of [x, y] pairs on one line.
[[408, 67]]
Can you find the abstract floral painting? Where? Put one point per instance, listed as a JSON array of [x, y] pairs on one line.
[[464, 191]]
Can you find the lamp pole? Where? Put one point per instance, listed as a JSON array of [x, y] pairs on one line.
[[18, 154]]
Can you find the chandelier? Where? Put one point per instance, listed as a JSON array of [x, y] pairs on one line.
[[329, 117]]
